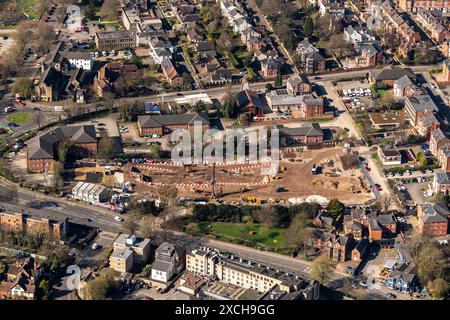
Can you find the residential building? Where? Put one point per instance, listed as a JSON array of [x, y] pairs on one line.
[[248, 101], [233, 270], [191, 284], [441, 182], [417, 106], [389, 75], [306, 106], [171, 73], [360, 249], [269, 68], [403, 276], [298, 85], [115, 40], [42, 150], [404, 87], [415, 5], [163, 124], [221, 76], [336, 247], [312, 60], [432, 25], [27, 224], [21, 280], [109, 74], [305, 135], [446, 71], [389, 156], [433, 219], [128, 251], [427, 124], [169, 261]]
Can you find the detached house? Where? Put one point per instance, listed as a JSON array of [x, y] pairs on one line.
[[170, 260]]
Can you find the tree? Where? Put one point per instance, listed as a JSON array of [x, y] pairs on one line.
[[422, 159], [269, 216], [298, 235], [101, 287], [90, 11], [278, 82], [38, 118], [108, 97], [387, 100], [439, 287], [322, 268], [429, 262], [106, 148], [148, 226], [107, 10], [65, 150], [23, 87], [130, 224], [229, 106], [44, 287], [346, 286], [308, 28], [58, 176], [339, 45], [335, 208], [155, 151], [385, 201], [200, 106]]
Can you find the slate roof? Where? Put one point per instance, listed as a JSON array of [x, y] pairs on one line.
[[386, 219], [403, 82], [434, 213], [309, 131], [155, 121], [442, 177], [42, 147], [390, 73]]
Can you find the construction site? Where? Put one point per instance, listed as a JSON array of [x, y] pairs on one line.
[[299, 174]]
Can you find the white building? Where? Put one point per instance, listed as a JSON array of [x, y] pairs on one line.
[[169, 261], [81, 60], [89, 192]]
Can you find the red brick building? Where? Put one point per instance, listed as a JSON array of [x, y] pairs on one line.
[[433, 219], [307, 135], [42, 150], [164, 124]]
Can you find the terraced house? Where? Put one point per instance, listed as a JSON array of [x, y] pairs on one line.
[[42, 150]]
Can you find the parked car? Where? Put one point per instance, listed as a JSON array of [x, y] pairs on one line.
[[118, 219]]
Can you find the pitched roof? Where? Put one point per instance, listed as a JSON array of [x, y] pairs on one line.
[[434, 213], [155, 121], [391, 73], [310, 131], [41, 147]]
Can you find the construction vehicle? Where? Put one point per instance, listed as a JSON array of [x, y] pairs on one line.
[[187, 168]]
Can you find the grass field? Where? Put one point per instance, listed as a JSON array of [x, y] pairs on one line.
[[19, 117], [271, 237], [26, 6]]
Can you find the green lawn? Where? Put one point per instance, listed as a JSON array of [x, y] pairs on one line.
[[19, 117], [273, 237], [26, 6]]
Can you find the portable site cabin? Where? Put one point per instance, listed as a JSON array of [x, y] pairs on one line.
[[75, 189]]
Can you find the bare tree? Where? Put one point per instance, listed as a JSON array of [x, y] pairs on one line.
[[130, 224], [39, 118], [385, 201], [268, 215], [148, 226]]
